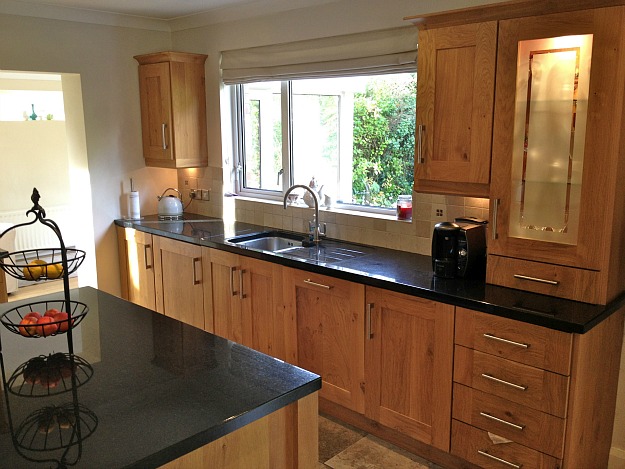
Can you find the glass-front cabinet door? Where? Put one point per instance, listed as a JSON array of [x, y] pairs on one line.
[[555, 160]]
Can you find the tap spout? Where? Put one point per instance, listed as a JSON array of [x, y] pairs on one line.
[[315, 198]]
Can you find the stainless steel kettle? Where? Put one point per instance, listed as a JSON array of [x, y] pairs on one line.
[[170, 206]]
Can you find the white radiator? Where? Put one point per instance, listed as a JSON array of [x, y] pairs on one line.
[[37, 235]]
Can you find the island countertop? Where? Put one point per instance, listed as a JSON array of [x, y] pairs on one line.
[[399, 271], [148, 389]]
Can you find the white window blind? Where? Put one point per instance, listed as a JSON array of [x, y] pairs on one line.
[[385, 51]]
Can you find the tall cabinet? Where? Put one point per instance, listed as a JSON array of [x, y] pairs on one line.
[[557, 192]]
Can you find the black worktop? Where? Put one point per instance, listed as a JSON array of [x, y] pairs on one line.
[[398, 271], [147, 389]]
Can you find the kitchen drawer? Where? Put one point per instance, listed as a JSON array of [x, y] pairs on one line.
[[515, 340], [530, 427], [490, 451], [538, 389], [548, 279]]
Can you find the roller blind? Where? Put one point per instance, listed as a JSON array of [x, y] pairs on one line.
[[384, 51]]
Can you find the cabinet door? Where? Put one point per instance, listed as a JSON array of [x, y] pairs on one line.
[[140, 268], [455, 94], [327, 333], [179, 280], [261, 317], [409, 357], [225, 271], [555, 172], [156, 122]]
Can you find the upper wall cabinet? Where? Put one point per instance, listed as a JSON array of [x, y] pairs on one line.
[[455, 94], [173, 109], [557, 192]]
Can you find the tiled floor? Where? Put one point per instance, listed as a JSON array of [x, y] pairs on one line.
[[342, 446]]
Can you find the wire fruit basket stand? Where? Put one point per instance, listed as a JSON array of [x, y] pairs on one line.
[[41, 265]]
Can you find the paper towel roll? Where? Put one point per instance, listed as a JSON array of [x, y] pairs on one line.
[[134, 207]]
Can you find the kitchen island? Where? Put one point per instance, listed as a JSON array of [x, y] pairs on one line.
[[150, 391]]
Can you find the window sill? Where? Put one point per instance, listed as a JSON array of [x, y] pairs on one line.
[[324, 209]]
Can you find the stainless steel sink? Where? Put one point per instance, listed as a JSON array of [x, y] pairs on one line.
[[290, 245], [269, 243]]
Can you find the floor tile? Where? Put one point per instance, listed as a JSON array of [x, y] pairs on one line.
[[372, 453], [335, 436]]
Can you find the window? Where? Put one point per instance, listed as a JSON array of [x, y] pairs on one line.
[[354, 135]]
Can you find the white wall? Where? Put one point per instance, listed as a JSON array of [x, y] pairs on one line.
[[103, 56]]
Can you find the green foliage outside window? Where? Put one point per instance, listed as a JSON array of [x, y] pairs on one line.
[[384, 133]]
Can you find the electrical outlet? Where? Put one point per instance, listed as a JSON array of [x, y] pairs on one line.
[[206, 194], [193, 194]]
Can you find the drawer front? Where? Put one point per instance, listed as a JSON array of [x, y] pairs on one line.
[[523, 384], [547, 279], [515, 340], [490, 451], [521, 424]]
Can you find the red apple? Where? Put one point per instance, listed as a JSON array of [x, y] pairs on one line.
[[27, 327], [32, 314], [62, 318], [51, 312], [44, 326]]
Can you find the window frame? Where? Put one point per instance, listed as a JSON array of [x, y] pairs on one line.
[[237, 98]]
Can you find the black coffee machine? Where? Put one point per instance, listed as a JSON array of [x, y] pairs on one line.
[[459, 248]]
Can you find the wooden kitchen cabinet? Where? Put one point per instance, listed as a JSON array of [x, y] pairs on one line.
[[557, 200], [531, 396], [137, 266], [246, 302], [179, 278], [325, 333], [141, 263], [173, 109], [409, 359], [455, 95]]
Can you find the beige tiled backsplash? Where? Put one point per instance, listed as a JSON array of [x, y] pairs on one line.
[[373, 229]]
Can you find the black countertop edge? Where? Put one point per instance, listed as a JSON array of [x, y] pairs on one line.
[[542, 310], [201, 439]]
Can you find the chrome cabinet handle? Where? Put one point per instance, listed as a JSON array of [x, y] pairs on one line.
[[148, 265], [163, 127], [494, 234], [241, 294], [503, 461], [232, 292], [506, 341], [497, 419], [421, 129], [315, 284], [369, 330], [195, 280], [536, 279], [507, 383]]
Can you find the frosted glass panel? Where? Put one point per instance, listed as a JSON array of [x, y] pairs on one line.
[[549, 137]]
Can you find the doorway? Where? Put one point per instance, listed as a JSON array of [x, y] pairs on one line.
[[43, 145]]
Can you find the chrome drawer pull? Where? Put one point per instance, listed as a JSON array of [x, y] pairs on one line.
[[494, 234], [195, 280], [535, 279], [511, 464], [241, 294], [315, 284], [369, 331], [497, 419], [507, 383], [507, 341], [420, 130]]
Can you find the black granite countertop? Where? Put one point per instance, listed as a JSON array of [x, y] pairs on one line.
[[146, 388], [395, 270]]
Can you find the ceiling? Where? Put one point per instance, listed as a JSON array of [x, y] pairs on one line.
[[165, 9]]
